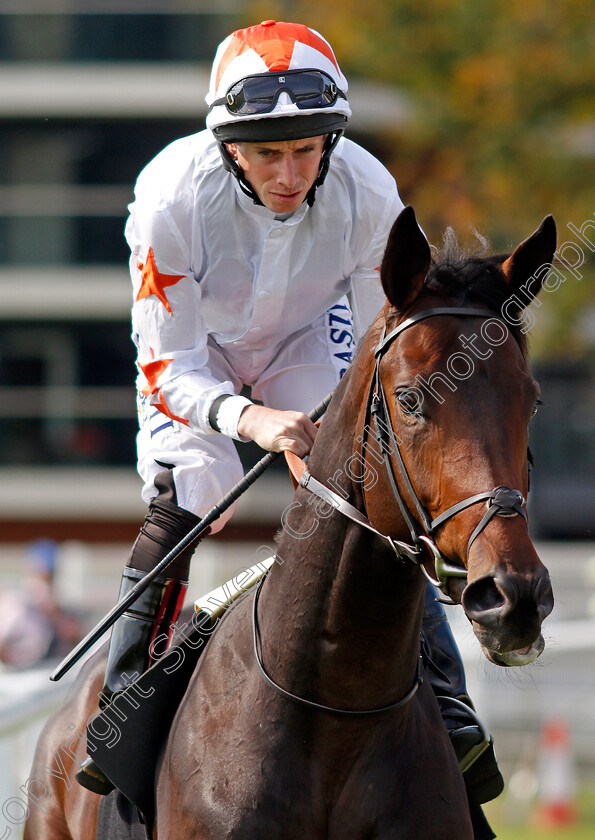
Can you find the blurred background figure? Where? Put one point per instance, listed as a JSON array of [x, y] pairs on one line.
[[33, 625]]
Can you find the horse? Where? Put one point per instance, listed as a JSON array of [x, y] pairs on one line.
[[308, 714]]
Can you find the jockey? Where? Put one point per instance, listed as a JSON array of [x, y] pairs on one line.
[[245, 239]]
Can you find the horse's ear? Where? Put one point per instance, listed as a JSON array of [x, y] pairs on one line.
[[528, 266], [406, 260]]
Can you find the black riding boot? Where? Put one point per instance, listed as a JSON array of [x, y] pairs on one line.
[[148, 623], [473, 745], [149, 620]]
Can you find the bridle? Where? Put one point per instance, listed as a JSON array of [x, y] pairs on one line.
[[501, 501]]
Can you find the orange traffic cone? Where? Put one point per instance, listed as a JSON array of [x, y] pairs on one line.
[[556, 804]]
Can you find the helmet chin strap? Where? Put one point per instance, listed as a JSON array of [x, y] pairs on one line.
[[325, 161], [231, 164]]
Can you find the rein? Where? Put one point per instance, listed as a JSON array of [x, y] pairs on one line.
[[501, 501], [303, 701]]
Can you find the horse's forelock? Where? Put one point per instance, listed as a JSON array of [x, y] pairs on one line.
[[468, 275]]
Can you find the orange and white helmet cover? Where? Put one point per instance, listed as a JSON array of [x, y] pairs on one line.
[[272, 46]]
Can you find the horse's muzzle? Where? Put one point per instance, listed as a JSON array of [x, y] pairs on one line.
[[506, 612], [524, 656]]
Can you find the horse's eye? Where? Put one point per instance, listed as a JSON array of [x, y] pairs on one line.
[[536, 405], [410, 402]]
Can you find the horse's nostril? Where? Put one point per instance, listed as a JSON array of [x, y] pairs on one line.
[[545, 596], [491, 600], [483, 600]]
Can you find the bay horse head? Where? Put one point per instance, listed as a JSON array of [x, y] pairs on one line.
[[451, 404]]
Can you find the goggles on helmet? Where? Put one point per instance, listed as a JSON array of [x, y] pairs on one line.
[[259, 94]]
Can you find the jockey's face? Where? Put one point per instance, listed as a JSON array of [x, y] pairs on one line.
[[280, 173]]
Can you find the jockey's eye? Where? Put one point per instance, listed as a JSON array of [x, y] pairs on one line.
[[410, 402]]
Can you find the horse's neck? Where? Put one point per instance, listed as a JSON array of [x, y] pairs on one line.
[[339, 607]]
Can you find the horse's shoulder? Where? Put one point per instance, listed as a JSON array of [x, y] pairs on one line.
[[234, 626], [228, 656]]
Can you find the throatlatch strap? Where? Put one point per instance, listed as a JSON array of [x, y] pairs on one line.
[[335, 501]]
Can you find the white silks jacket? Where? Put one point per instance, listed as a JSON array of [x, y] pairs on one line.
[[207, 262]]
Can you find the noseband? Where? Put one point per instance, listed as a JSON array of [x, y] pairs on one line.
[[501, 501]]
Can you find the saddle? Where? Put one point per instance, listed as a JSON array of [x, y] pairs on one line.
[[126, 738]]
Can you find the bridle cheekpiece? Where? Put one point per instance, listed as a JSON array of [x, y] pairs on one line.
[[501, 501]]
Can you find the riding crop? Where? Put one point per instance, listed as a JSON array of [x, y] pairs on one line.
[[192, 536]]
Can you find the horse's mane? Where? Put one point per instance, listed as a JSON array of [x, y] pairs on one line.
[[468, 276]]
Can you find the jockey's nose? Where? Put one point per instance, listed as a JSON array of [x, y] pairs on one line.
[[287, 174]]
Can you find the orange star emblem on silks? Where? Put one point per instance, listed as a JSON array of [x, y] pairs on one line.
[[153, 282], [152, 371], [164, 409]]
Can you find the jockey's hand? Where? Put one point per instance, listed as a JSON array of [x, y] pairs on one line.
[[276, 430]]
